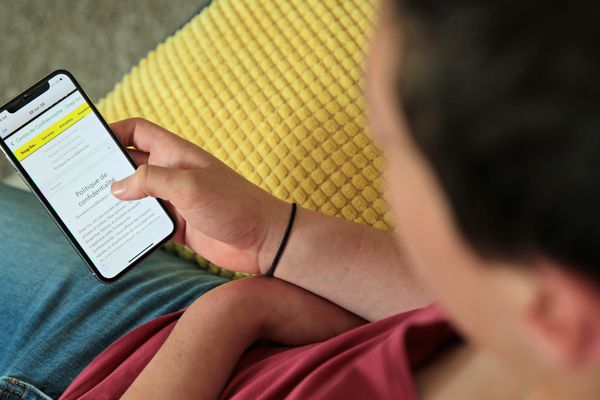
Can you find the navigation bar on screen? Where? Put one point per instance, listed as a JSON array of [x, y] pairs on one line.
[[53, 131]]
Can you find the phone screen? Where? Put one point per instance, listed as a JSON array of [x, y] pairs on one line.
[[69, 158]]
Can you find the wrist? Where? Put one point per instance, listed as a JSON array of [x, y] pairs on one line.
[[278, 216]]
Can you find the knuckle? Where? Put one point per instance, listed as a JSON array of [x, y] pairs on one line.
[[142, 175], [139, 121], [194, 179], [189, 176], [142, 124]]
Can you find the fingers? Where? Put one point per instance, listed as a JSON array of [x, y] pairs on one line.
[[167, 149], [153, 181], [139, 157], [144, 135]]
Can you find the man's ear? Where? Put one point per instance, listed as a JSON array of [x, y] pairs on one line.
[[563, 318]]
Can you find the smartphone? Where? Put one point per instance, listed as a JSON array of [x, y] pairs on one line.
[[66, 153]]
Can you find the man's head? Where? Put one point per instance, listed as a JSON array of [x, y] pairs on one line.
[[486, 112]]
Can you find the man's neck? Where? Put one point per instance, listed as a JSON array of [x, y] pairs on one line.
[[580, 386], [465, 372]]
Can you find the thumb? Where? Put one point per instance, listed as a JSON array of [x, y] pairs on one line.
[[149, 180]]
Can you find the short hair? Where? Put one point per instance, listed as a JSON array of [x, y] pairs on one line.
[[502, 98]]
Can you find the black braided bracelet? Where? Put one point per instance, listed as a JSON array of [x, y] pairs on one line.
[[284, 241]]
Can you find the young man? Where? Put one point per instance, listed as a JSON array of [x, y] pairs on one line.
[[486, 113], [494, 188]]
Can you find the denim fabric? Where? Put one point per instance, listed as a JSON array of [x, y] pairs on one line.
[[55, 317], [11, 388]]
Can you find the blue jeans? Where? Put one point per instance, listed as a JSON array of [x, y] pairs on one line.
[[55, 317]]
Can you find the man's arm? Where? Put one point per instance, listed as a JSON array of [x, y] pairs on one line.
[[355, 266], [237, 225], [197, 359]]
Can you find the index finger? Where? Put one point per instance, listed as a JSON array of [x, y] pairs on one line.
[[165, 148], [143, 135]]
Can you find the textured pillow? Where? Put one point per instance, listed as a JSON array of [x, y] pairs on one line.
[[274, 89]]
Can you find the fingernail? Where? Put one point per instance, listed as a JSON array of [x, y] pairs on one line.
[[119, 187]]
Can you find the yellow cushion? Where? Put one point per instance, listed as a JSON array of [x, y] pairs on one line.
[[274, 88]]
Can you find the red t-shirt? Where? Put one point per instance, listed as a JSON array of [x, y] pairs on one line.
[[376, 360]]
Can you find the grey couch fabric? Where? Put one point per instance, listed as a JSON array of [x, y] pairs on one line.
[[97, 41]]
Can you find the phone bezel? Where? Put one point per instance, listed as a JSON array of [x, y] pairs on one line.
[[95, 271]]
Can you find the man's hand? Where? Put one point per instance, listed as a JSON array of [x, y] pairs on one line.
[[237, 225], [219, 213]]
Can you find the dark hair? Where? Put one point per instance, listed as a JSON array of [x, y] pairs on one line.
[[502, 98]]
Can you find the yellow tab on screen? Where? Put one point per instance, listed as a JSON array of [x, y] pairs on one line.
[[51, 132]]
